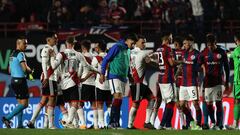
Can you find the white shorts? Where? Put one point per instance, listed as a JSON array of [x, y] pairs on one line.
[[188, 93], [117, 86], [167, 92], [213, 93]]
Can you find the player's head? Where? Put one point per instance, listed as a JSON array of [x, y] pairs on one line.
[[237, 38], [70, 42], [21, 43], [210, 40], [101, 46], [51, 38], [141, 42], [188, 42], [85, 45], [130, 39], [178, 43], [166, 40]]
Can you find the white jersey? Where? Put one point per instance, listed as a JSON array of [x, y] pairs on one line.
[[96, 63], [85, 70], [137, 64], [70, 61], [46, 63]]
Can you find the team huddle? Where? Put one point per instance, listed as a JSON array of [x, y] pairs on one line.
[[75, 76]]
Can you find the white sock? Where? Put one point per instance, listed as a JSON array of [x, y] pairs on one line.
[[76, 120], [153, 116], [148, 115], [109, 111], [95, 118], [81, 116], [235, 123], [182, 120], [45, 120], [71, 114], [65, 116], [132, 114], [36, 112], [50, 111], [101, 118]]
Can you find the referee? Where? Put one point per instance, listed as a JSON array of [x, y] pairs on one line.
[[18, 69]]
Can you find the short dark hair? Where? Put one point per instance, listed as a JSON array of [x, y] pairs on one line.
[[71, 40], [178, 39], [102, 44], [237, 36], [86, 44], [50, 34], [210, 38], [131, 36], [189, 38]]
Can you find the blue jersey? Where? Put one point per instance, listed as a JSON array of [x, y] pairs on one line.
[[15, 64]]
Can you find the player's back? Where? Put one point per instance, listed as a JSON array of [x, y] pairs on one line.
[[213, 62], [96, 62], [69, 68], [166, 74], [90, 80]]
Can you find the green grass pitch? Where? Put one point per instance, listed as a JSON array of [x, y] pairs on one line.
[[111, 132]]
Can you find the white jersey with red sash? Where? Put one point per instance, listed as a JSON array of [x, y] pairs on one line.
[[46, 64], [137, 64], [96, 63]]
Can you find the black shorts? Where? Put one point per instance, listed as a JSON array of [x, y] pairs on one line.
[[50, 89], [88, 93], [19, 86], [140, 91], [104, 95], [60, 100], [71, 94]]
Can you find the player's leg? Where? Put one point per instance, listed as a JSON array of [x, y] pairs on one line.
[[219, 108], [209, 100], [117, 88], [21, 91], [146, 93], [236, 105], [205, 111], [156, 106], [135, 92], [74, 103], [193, 93], [167, 91]]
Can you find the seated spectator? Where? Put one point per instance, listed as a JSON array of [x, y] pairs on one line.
[[22, 25], [116, 13], [33, 23], [102, 11]]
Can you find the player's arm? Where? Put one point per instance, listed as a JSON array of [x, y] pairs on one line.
[[110, 55], [85, 64], [55, 62], [226, 68], [22, 60]]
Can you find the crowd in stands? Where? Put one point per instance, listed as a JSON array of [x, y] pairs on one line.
[[175, 15]]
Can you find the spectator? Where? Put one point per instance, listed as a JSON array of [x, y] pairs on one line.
[[102, 11], [116, 13], [55, 14], [22, 25], [7, 10], [33, 23], [86, 16], [198, 14]]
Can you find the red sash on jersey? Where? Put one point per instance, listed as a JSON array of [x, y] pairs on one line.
[[99, 59], [89, 60], [135, 75]]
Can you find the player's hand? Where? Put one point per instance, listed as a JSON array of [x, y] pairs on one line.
[[44, 83], [102, 78], [52, 53], [227, 91]]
